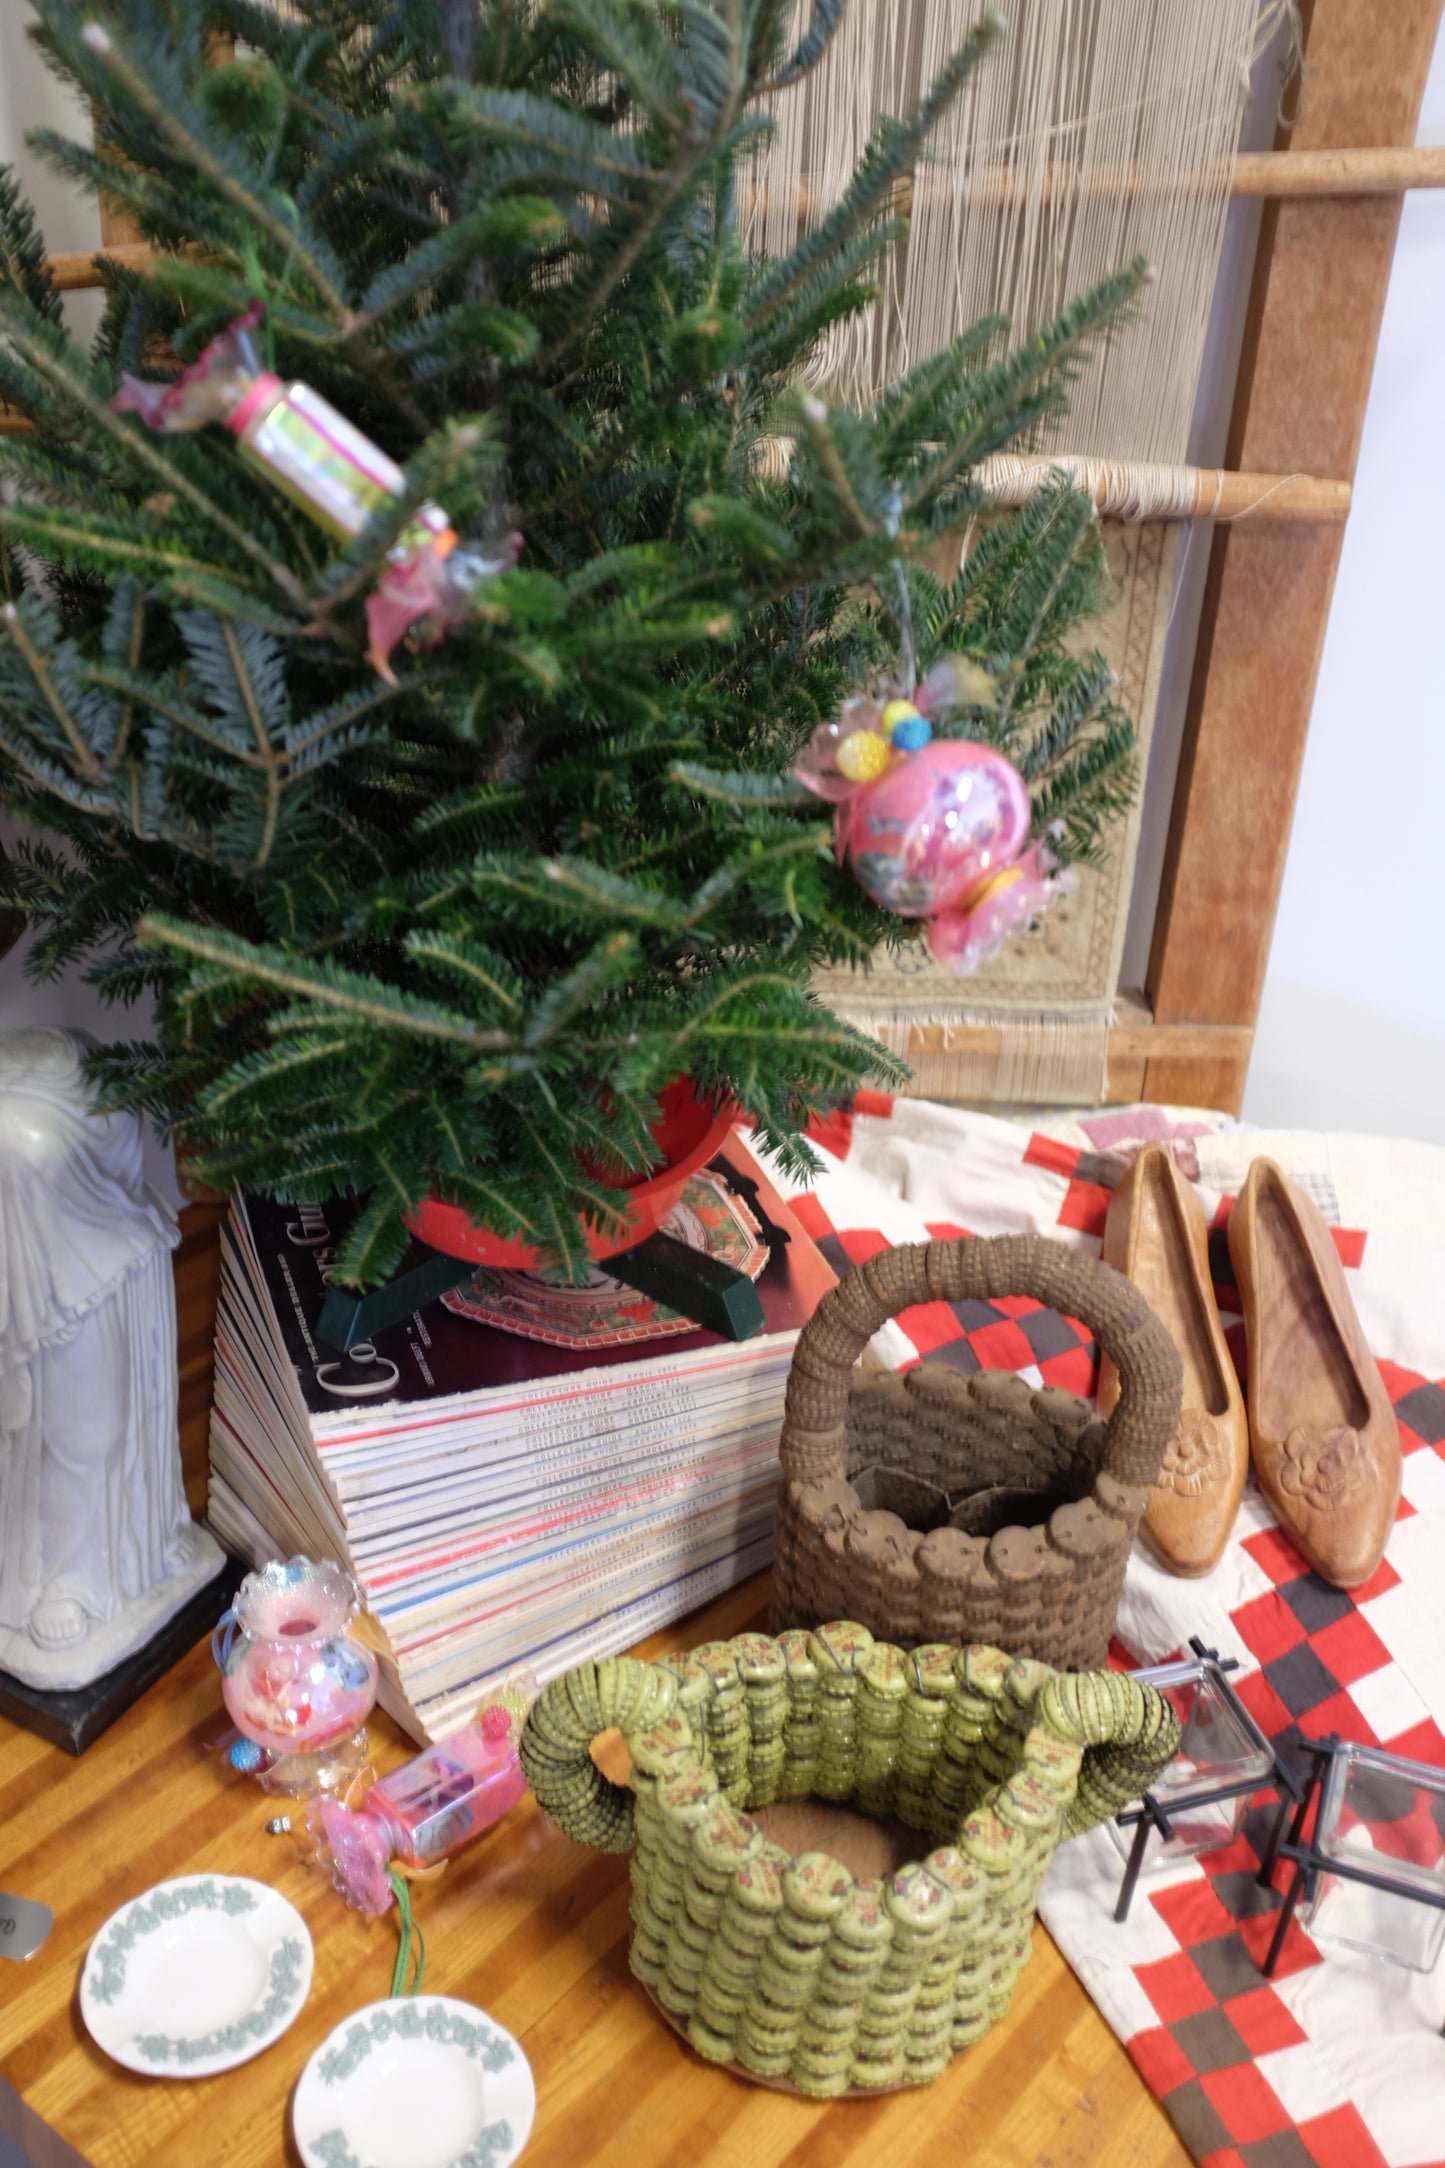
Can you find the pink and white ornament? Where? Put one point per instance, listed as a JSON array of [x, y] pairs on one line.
[[938, 829]]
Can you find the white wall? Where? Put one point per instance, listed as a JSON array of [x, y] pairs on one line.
[[1352, 1028]]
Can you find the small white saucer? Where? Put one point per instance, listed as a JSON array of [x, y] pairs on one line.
[[421, 2083], [196, 1976]]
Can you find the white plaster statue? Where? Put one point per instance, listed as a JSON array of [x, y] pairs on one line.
[[97, 1548]]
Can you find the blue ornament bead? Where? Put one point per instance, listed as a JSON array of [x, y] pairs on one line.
[[911, 733], [245, 1755]]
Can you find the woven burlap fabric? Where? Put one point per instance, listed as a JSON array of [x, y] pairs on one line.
[[940, 1507], [790, 1968]]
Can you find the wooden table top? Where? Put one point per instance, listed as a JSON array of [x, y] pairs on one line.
[[528, 1925]]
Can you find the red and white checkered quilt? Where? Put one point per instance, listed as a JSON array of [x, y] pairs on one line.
[[1338, 2062]]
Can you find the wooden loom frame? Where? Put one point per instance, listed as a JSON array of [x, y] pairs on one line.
[[1333, 189], [1316, 302]]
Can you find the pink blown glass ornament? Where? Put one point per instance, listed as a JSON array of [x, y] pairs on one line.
[[934, 827], [817, 764], [942, 832]]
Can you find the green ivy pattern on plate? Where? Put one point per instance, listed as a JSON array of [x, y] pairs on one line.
[[285, 1978], [166, 1903], [490, 2146], [405, 2022], [332, 2150]]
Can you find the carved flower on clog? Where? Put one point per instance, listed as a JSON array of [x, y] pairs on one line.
[[1195, 1456], [1324, 1467]]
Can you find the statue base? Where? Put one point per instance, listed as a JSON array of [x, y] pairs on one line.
[[179, 1613]]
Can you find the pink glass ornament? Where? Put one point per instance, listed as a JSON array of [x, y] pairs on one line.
[[817, 764], [935, 827], [428, 585], [422, 1812], [216, 381], [943, 832], [953, 682], [292, 1678]]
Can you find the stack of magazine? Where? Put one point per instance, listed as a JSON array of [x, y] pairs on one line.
[[520, 1473]]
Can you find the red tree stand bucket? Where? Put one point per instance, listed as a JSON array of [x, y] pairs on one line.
[[689, 1131]]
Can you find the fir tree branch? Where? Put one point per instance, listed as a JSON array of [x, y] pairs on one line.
[[133, 689], [277, 1065], [623, 259], [823, 23], [468, 961], [610, 895], [891, 154], [197, 154], [367, 1000], [345, 715], [87, 766], [264, 748], [825, 450], [23, 262], [567, 995], [747, 792], [373, 1245], [104, 544], [734, 875]]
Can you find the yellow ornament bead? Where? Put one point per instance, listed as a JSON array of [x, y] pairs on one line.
[[863, 757], [895, 712]]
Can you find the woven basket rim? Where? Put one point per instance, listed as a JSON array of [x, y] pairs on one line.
[[1126, 1507], [1059, 1705]]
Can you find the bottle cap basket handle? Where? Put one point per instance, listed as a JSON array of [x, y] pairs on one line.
[[1123, 1728], [814, 1438]]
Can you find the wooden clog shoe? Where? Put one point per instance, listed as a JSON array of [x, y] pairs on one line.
[[1323, 1433], [1155, 1234]]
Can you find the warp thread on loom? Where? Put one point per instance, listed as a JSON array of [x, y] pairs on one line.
[[1156, 87]]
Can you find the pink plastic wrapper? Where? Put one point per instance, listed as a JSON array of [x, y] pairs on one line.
[[1011, 902]]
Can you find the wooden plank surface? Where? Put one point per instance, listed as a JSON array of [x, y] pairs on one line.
[[526, 1924], [1318, 296]]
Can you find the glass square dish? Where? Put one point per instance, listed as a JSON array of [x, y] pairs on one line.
[[1220, 1746], [1380, 1812]]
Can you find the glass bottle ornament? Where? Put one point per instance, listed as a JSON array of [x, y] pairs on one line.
[[297, 1683], [332, 472]]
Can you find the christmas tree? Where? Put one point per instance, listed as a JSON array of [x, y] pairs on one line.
[[453, 932]]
